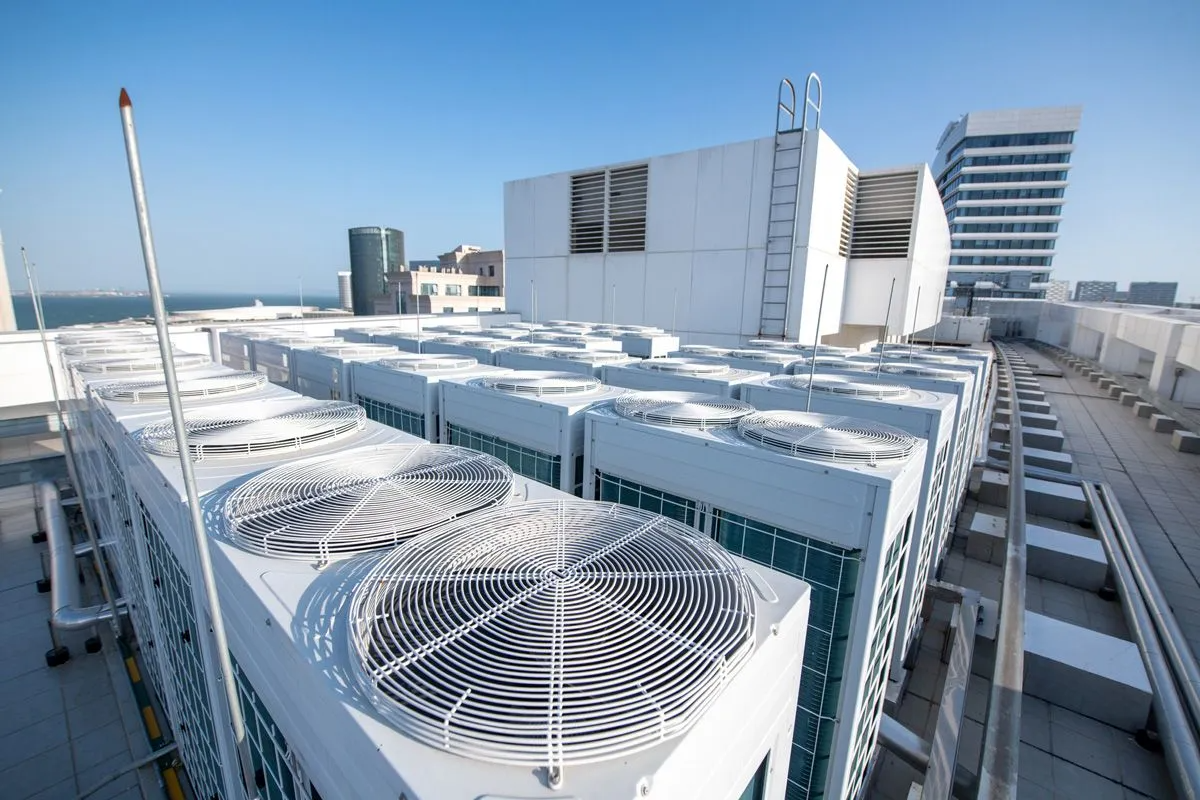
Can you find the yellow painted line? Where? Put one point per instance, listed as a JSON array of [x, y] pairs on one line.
[[171, 779], [134, 674], [151, 723]]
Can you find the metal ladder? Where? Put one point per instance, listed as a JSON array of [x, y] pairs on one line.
[[787, 172]]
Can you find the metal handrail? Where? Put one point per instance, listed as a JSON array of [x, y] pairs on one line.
[[1002, 730]]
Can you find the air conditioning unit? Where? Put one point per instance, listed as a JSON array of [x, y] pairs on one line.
[[531, 420], [84, 371], [111, 349], [104, 335], [704, 375], [506, 334], [402, 391], [567, 359], [410, 341], [700, 351], [502, 676], [273, 357], [761, 359], [323, 371], [561, 340], [483, 349], [926, 415], [648, 345], [829, 499], [356, 335], [804, 349]]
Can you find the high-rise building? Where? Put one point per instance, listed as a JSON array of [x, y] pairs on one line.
[[374, 253], [1095, 291], [1153, 293], [1059, 291], [1002, 176], [345, 291]]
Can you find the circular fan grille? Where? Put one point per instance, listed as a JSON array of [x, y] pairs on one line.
[[682, 409], [769, 356], [685, 366], [134, 349], [428, 362], [249, 430], [358, 500], [209, 386], [918, 370], [551, 633], [101, 337], [842, 385], [450, 339], [771, 344], [918, 354], [461, 330], [129, 365], [531, 349], [539, 382], [483, 343], [504, 334], [353, 350], [802, 364], [590, 356], [826, 437]]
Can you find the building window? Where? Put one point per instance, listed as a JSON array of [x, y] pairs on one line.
[[447, 309], [472, 309], [491, 270], [453, 290], [429, 288], [608, 210]]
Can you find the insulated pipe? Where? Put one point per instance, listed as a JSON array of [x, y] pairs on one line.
[[65, 614], [915, 751], [1179, 743]]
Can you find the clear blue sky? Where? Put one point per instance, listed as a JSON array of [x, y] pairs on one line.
[[267, 132]]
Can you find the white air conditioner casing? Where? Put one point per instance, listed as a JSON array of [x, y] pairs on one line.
[[273, 357], [648, 345], [410, 384], [760, 359], [927, 415], [547, 358], [484, 349], [547, 424], [691, 374], [559, 339], [324, 372], [852, 519]]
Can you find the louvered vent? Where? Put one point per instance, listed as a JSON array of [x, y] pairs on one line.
[[249, 429], [131, 365], [826, 437], [590, 356], [550, 634], [587, 213], [365, 499], [539, 382], [685, 366], [428, 363], [848, 213], [189, 388], [137, 349], [627, 192], [842, 385], [883, 215], [682, 409]]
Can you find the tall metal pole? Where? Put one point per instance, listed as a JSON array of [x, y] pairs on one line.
[[69, 454], [812, 362], [887, 316], [533, 308], [204, 557], [301, 279], [674, 311], [916, 313], [613, 312]]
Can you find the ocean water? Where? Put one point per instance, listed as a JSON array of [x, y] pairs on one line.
[[62, 311]]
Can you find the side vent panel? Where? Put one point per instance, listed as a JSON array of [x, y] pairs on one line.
[[883, 215]]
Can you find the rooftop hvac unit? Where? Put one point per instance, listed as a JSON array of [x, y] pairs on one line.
[[638, 328], [567, 359], [105, 335], [234, 348], [411, 341], [324, 371], [761, 359], [680, 374], [829, 499], [481, 348], [806, 349], [648, 345], [356, 335], [273, 357], [561, 340], [505, 334], [110, 349], [206, 387], [458, 330], [402, 391], [923, 414], [701, 350], [331, 507], [148, 363], [532, 420]]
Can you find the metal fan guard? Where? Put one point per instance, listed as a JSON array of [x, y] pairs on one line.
[[418, 362], [131, 365], [704, 350], [134, 348], [539, 382], [189, 388], [682, 409], [827, 437], [685, 366], [355, 501], [590, 356], [842, 385], [551, 633]]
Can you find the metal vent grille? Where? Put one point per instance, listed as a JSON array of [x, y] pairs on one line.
[[190, 388], [915, 370], [848, 199], [590, 356], [551, 633], [771, 344], [685, 366], [482, 343], [769, 356], [803, 364], [131, 365], [539, 382], [428, 363], [134, 349], [682, 409], [247, 430], [359, 500], [842, 385], [587, 212], [825, 437], [883, 215], [531, 349], [505, 334], [442, 339], [627, 193], [704, 350], [904, 354], [102, 337], [352, 350]]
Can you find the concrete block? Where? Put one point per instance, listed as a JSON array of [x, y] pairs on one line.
[[1036, 457], [1185, 441], [1144, 410], [1161, 423], [1041, 421], [1042, 498], [1031, 394], [1127, 399], [985, 538], [1085, 371], [1062, 557], [1094, 377], [1105, 384], [1116, 390]]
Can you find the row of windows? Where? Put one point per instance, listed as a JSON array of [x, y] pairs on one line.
[[1001, 261], [1004, 194], [1013, 140], [1013, 160], [1002, 244], [541, 467], [393, 416], [1004, 211], [1005, 227], [1005, 177]]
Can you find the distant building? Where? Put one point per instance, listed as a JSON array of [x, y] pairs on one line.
[[1095, 291], [1058, 291], [345, 292], [1002, 176], [374, 254], [1152, 293], [467, 279]]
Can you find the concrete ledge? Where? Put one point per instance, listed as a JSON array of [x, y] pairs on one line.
[[1143, 410], [1185, 441], [1116, 390], [1161, 423], [1127, 399], [1105, 384], [1042, 498]]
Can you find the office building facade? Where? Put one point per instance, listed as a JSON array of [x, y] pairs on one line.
[[468, 279], [1058, 291], [1095, 291], [1152, 293], [374, 253], [1003, 177], [345, 291]]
